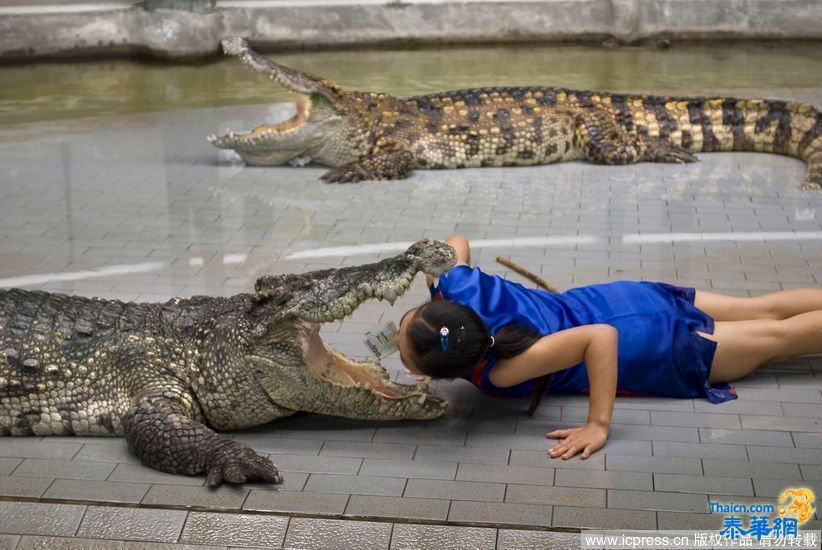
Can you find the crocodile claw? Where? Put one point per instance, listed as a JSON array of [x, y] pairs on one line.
[[343, 174], [235, 462], [661, 151]]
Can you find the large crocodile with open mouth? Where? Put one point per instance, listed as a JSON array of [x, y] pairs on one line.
[[366, 135], [165, 374]]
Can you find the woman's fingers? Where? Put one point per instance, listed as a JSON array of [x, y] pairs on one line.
[[570, 446], [572, 450], [586, 440], [560, 448], [559, 434]]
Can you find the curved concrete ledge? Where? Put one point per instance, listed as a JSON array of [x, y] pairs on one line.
[[115, 27]]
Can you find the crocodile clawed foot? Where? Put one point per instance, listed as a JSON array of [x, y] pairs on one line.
[[235, 462], [660, 151], [343, 174], [812, 183], [680, 157]]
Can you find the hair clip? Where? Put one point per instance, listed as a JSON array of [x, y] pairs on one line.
[[444, 338]]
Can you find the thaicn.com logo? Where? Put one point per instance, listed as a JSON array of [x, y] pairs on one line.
[[766, 521]]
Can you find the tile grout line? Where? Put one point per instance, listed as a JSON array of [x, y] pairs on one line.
[[290, 514], [183, 527]]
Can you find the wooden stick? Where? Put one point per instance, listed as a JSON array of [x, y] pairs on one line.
[[539, 281], [544, 381]]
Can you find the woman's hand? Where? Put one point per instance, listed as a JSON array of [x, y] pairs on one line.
[[588, 438]]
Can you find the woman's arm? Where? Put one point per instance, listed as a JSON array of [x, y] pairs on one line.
[[460, 245], [594, 344]]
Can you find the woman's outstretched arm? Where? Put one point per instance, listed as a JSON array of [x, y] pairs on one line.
[[460, 244], [594, 344], [463, 250]]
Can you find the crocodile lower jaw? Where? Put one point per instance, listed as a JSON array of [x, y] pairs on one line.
[[260, 137]]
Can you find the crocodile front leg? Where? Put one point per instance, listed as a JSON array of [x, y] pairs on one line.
[[387, 166], [160, 432]]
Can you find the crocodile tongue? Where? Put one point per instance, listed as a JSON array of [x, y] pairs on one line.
[[303, 110]]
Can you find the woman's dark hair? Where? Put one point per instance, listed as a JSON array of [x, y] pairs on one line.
[[468, 339]]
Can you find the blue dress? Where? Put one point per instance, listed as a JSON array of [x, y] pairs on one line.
[[659, 351]]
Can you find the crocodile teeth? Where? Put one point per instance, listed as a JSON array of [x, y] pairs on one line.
[[437, 271], [421, 400]]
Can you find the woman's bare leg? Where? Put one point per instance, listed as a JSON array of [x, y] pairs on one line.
[[776, 305], [743, 346]]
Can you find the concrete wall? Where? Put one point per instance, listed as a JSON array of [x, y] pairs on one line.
[[106, 28]]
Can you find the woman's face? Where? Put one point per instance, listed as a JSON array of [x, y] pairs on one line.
[[402, 343]]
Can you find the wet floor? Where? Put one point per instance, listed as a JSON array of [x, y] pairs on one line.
[[134, 204]]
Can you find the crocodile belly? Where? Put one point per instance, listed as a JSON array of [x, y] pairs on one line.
[[61, 411]]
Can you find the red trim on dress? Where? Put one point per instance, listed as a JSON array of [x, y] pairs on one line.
[[476, 373], [476, 377]]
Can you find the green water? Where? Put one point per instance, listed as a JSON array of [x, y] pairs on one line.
[[46, 91]]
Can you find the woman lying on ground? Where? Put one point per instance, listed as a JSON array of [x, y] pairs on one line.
[[631, 337]]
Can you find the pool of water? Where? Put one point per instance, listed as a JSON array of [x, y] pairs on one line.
[[46, 91]]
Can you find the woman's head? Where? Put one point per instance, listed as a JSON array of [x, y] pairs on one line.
[[442, 339], [424, 349]]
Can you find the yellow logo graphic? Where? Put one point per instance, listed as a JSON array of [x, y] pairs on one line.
[[797, 503]]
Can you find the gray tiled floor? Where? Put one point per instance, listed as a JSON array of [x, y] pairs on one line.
[[138, 207]]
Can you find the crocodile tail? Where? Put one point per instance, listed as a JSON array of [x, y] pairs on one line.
[[729, 124]]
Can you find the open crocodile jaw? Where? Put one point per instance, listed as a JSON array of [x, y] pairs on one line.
[[267, 144], [336, 369], [322, 380]]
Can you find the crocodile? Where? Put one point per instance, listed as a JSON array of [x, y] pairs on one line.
[[168, 376], [375, 136]]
